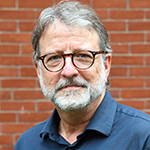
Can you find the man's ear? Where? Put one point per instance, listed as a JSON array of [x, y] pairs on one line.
[[107, 64], [37, 69]]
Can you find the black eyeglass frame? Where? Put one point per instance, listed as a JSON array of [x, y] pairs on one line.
[[94, 53]]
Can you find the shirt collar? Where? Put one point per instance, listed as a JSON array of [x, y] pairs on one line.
[[102, 121], [51, 125]]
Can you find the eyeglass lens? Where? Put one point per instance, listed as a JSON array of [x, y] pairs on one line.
[[56, 61]]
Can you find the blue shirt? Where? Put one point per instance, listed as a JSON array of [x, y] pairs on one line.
[[113, 127]]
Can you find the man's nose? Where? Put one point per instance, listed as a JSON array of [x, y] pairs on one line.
[[69, 69]]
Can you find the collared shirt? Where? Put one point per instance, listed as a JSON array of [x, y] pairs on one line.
[[113, 127]]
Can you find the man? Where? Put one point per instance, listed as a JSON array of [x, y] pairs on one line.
[[72, 57]]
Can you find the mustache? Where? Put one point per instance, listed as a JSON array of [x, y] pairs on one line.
[[62, 83]]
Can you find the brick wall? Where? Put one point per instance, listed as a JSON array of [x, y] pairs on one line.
[[22, 104]]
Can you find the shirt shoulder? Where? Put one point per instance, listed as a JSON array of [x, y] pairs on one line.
[[35, 129], [133, 113], [133, 125], [24, 141], [136, 121]]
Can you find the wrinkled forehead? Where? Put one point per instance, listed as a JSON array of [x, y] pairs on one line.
[[58, 27], [59, 34]]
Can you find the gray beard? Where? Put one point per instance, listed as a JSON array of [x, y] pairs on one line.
[[72, 100]]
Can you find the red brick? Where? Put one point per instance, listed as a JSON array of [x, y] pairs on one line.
[[27, 49], [82, 1], [148, 104], [9, 49], [114, 93], [147, 82], [147, 60], [8, 3], [139, 71], [5, 95], [18, 83], [16, 128], [126, 14], [109, 4], [142, 49], [38, 84], [17, 14], [147, 112], [35, 3], [118, 71], [7, 26], [127, 60], [17, 106], [103, 14], [28, 72], [7, 117], [38, 12], [139, 26], [26, 26], [45, 105], [5, 139], [134, 104], [135, 93], [127, 37], [16, 60], [119, 48], [148, 14], [127, 82], [7, 148], [17, 137], [148, 37], [18, 95], [26, 37], [33, 117], [139, 3], [8, 72], [115, 26]]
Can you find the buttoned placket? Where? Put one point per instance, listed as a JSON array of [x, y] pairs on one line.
[[69, 148]]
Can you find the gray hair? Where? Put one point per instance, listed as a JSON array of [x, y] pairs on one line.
[[71, 13]]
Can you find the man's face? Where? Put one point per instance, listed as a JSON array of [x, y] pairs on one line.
[[71, 89]]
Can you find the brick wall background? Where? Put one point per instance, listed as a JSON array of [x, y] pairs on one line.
[[22, 103]]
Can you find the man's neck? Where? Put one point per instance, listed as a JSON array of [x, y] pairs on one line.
[[73, 123]]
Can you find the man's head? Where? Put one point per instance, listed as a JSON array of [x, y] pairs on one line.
[[69, 37], [71, 13]]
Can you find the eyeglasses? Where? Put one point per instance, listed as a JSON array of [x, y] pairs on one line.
[[82, 59]]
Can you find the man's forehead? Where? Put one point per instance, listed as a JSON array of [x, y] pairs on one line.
[[62, 37], [58, 29]]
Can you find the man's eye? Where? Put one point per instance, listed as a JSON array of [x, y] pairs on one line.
[[53, 59], [56, 57], [84, 56]]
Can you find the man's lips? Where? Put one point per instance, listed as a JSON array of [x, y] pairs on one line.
[[71, 87]]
